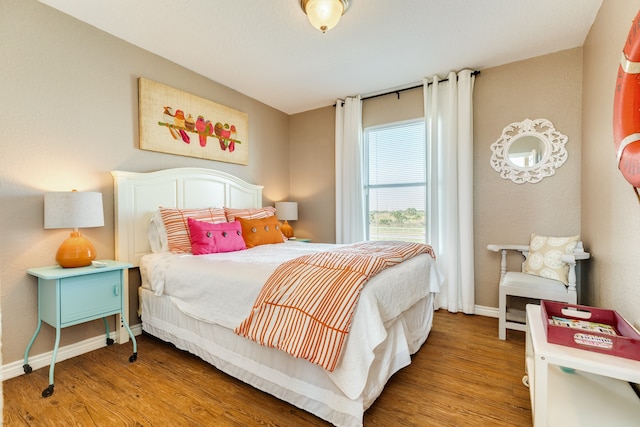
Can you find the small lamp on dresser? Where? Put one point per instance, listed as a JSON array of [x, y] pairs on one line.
[[74, 209], [287, 211]]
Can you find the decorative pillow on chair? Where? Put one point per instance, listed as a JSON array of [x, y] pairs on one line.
[[261, 231], [175, 223], [545, 254], [207, 238]]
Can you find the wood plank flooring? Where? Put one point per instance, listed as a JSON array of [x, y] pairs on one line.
[[462, 376]]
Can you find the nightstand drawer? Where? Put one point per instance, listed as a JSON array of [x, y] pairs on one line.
[[90, 297]]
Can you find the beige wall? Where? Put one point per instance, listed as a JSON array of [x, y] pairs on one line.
[[587, 195], [610, 211], [70, 117], [504, 212], [312, 152], [69, 114], [393, 107]]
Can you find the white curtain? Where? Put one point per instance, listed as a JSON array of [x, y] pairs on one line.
[[448, 107], [350, 225]]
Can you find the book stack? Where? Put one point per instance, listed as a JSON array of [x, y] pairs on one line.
[[585, 325]]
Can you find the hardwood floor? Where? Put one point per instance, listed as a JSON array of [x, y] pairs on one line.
[[462, 376]]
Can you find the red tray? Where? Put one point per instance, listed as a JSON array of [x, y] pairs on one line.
[[626, 344]]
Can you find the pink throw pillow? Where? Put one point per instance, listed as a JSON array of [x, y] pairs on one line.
[[207, 238], [176, 227]]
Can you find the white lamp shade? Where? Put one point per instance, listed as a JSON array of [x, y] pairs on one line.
[[73, 209], [287, 211]]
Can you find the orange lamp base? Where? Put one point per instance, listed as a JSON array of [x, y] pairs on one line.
[[286, 229], [76, 251]]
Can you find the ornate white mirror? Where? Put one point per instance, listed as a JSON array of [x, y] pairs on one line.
[[528, 151]]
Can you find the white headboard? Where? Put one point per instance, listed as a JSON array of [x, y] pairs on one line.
[[138, 195]]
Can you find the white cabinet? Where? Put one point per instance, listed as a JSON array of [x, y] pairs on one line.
[[573, 387]]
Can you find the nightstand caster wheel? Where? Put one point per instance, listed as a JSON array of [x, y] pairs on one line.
[[110, 341], [27, 369], [525, 380], [133, 357], [47, 391]]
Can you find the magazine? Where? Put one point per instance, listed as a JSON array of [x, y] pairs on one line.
[[601, 328]]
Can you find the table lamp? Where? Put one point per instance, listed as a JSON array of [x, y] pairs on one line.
[[74, 209], [287, 211]]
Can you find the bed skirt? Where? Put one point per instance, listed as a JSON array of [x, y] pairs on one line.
[[297, 381]]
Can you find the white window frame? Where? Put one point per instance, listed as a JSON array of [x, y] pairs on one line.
[[368, 186]]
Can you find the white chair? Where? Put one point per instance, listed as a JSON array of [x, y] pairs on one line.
[[519, 284]]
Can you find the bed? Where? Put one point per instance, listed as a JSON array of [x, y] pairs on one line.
[[384, 332]]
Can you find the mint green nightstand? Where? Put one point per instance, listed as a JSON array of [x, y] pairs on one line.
[[298, 239], [69, 296]]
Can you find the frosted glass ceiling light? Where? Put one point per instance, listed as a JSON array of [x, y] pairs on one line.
[[324, 14]]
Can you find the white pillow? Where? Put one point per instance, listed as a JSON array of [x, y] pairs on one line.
[[157, 234]]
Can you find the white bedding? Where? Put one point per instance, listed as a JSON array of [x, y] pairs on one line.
[[295, 381], [225, 298]]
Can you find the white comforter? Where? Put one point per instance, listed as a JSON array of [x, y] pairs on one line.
[[221, 289]]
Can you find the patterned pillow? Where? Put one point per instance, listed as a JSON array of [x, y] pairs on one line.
[[255, 213], [175, 222], [545, 254], [261, 231], [207, 238]]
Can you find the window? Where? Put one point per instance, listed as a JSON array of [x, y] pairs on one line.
[[395, 181]]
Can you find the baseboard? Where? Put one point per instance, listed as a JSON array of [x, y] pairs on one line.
[[38, 361], [486, 311]]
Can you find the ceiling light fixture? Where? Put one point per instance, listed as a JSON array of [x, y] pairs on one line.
[[324, 14]]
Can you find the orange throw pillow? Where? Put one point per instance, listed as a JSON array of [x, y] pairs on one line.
[[261, 231]]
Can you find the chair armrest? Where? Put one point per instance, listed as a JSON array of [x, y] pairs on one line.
[[523, 249], [576, 256], [498, 248]]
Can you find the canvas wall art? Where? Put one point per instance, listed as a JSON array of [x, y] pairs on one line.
[[176, 122]]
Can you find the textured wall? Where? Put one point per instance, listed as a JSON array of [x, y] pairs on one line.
[[544, 87], [610, 211], [312, 152], [505, 212], [69, 113]]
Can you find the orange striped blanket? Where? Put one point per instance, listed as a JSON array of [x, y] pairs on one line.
[[306, 305]]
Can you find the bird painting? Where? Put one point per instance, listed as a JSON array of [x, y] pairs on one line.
[[168, 119], [208, 128], [232, 143], [178, 125], [201, 127], [179, 121], [223, 132], [189, 123]]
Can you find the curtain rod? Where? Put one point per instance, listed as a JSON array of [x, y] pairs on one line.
[[397, 92]]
